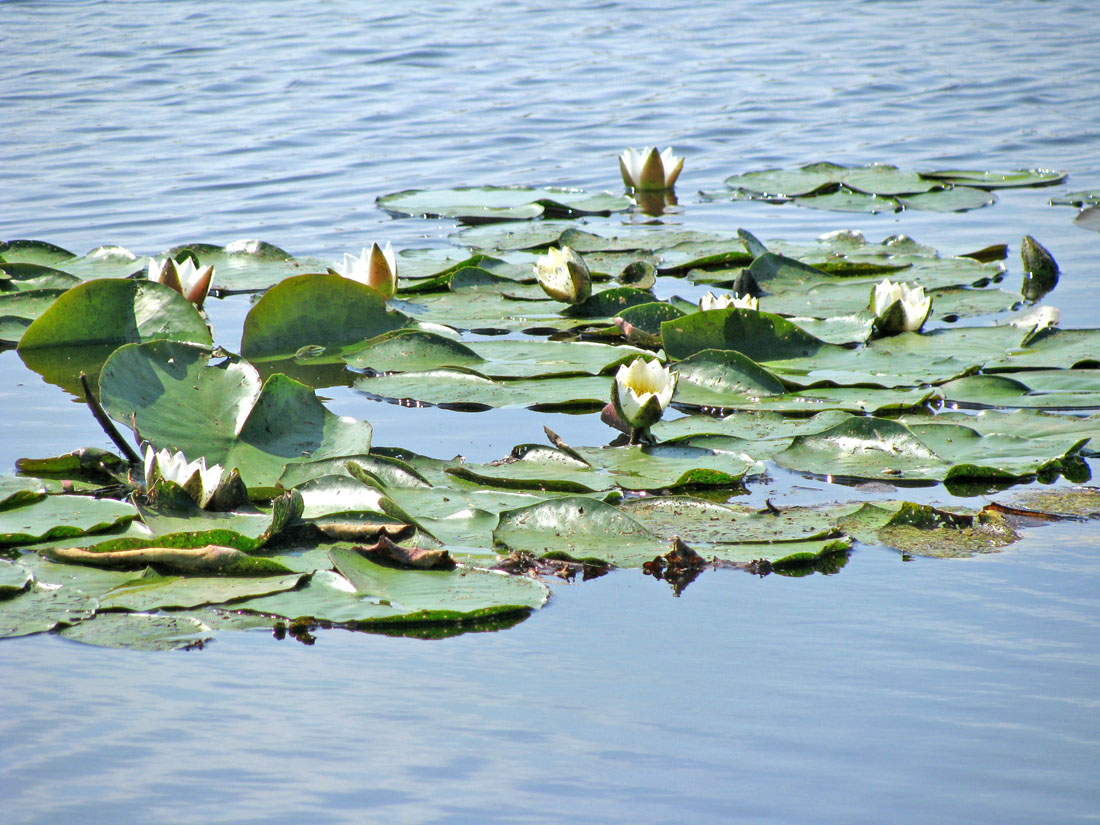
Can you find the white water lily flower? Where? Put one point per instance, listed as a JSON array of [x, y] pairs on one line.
[[899, 307], [190, 281], [200, 481], [712, 301], [642, 392], [650, 170], [564, 276], [376, 267]]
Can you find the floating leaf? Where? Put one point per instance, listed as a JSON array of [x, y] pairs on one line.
[[14, 579], [922, 530], [949, 199], [42, 253], [88, 322], [998, 180], [760, 336], [481, 204], [58, 517], [180, 398], [43, 608], [140, 631], [178, 592], [409, 351], [438, 595], [467, 389], [578, 528], [321, 310], [17, 492], [879, 448], [1062, 502]]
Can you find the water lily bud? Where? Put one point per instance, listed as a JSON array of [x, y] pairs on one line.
[[564, 276], [712, 301], [642, 392], [899, 307], [376, 267], [650, 169], [192, 282], [1040, 269]]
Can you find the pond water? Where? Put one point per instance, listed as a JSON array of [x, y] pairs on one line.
[[923, 691]]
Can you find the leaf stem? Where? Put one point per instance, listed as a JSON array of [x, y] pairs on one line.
[[106, 423]]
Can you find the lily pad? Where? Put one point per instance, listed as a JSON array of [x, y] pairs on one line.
[[42, 609], [467, 389], [1062, 502], [1046, 389], [88, 322], [34, 252], [921, 530], [481, 204], [998, 180], [179, 396], [179, 592], [140, 631], [57, 517], [17, 492], [511, 358], [438, 595], [316, 310], [580, 529], [14, 579], [760, 336], [878, 448]]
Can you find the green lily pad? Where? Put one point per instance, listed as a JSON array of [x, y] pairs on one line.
[[662, 466], [88, 322], [878, 448], [749, 425], [14, 579], [92, 581], [1080, 199], [185, 592], [1062, 502], [949, 199], [481, 204], [467, 389], [844, 199], [512, 358], [34, 252], [316, 310], [1048, 389], [1026, 423], [578, 528], [140, 631], [179, 397], [921, 530], [17, 492], [998, 180], [42, 609], [725, 379], [708, 527], [906, 359], [760, 336], [1053, 348], [438, 595], [58, 517], [86, 463]]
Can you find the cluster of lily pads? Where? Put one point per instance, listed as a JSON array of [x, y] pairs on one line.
[[237, 499], [879, 187]]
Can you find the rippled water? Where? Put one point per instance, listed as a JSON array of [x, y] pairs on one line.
[[931, 691]]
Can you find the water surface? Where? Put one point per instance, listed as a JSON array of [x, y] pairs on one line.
[[920, 691]]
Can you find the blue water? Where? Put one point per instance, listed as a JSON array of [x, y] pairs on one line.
[[916, 692]]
